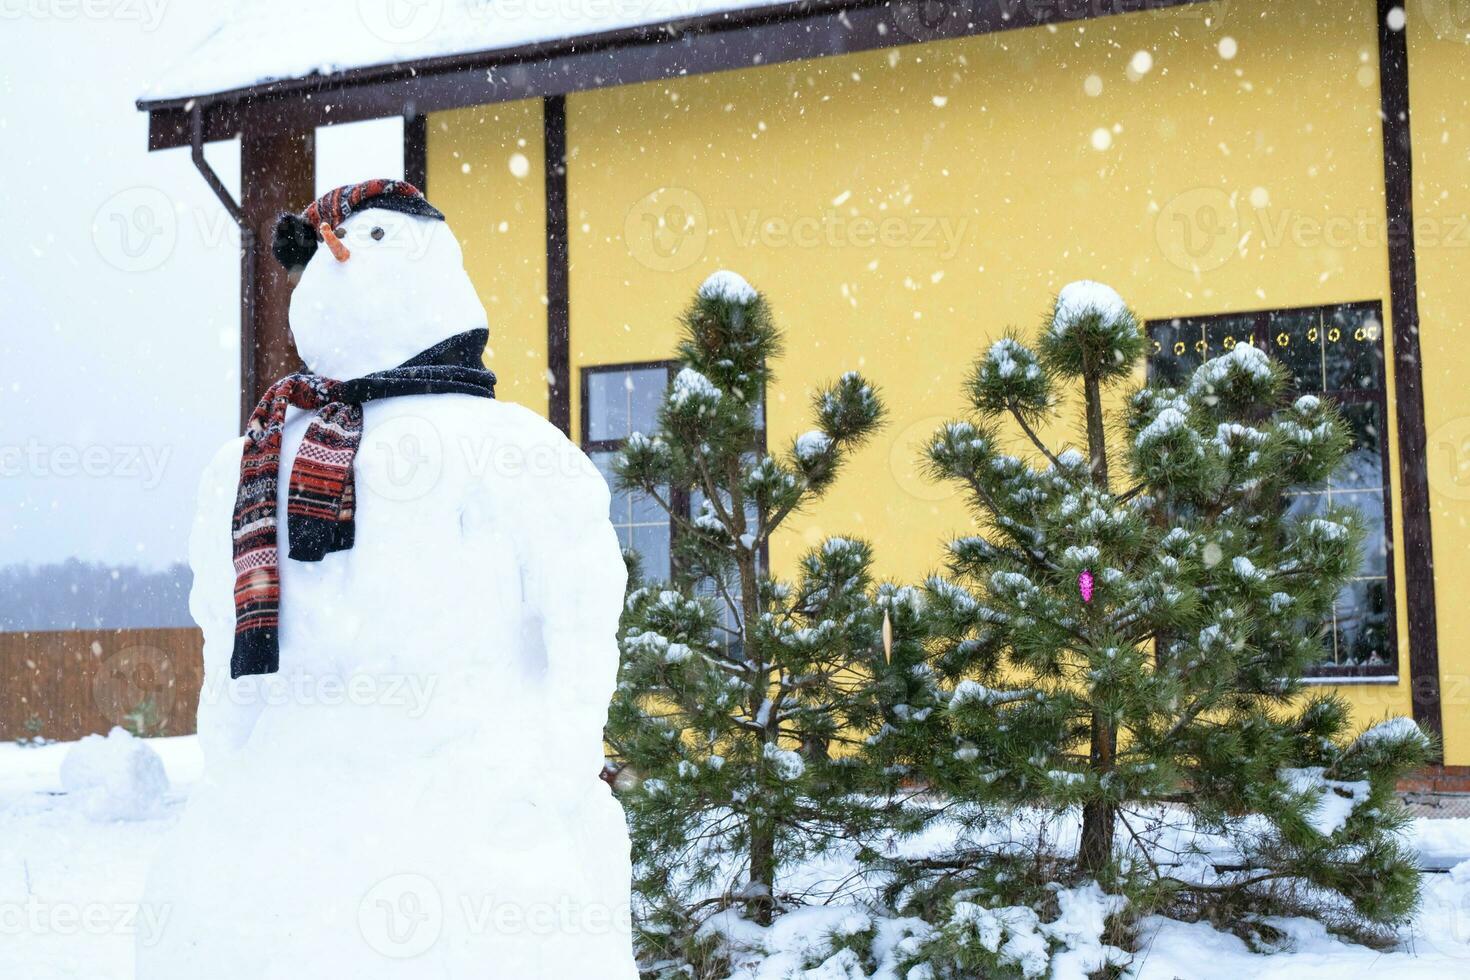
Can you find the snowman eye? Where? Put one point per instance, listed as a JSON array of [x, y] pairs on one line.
[[377, 234], [340, 231]]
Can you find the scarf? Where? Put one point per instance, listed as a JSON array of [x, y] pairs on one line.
[[319, 505]]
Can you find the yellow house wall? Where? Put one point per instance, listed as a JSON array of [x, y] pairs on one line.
[[1439, 67], [487, 173], [901, 208]]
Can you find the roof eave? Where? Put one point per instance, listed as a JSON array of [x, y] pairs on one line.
[[762, 35]]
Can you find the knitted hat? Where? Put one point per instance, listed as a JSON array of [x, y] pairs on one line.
[[296, 237]]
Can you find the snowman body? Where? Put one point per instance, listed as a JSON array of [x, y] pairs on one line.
[[415, 793]]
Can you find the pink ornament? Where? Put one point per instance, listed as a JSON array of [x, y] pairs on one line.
[[1084, 585]]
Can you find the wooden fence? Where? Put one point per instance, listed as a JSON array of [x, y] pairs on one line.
[[66, 684]]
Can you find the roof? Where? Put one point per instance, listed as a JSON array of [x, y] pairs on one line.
[[264, 41]]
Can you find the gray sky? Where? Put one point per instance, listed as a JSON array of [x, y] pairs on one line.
[[118, 283]]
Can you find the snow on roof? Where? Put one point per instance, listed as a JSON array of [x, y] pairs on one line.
[[262, 41]]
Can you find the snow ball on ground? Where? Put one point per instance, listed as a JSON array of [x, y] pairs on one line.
[[118, 777], [729, 286], [1078, 299]]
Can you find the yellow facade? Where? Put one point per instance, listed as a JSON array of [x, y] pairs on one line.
[[486, 164], [901, 208]]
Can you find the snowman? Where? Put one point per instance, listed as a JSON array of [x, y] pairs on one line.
[[409, 593]]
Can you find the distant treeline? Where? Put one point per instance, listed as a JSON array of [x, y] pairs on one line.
[[78, 595]]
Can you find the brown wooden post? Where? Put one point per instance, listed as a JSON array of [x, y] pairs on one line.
[[1403, 286], [277, 173], [558, 276]]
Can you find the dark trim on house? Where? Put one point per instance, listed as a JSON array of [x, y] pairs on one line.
[[277, 173], [1403, 281], [416, 151], [724, 41], [558, 275]]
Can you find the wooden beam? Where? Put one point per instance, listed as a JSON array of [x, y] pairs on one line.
[[558, 274], [1403, 284], [716, 42], [416, 151], [277, 173]]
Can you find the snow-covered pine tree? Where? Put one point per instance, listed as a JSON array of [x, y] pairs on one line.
[[1126, 636], [737, 690]]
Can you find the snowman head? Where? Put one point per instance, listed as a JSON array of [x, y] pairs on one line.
[[379, 278]]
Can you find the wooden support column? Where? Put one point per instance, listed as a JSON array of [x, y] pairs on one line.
[[416, 151], [558, 276], [277, 173], [1403, 284]]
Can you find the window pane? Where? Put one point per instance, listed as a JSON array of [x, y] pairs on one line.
[[729, 637], [1362, 625], [1304, 506], [1362, 467], [1223, 333], [1175, 354], [651, 541], [1369, 505], [1353, 350], [646, 388], [620, 403], [1295, 339], [607, 406], [640, 522]]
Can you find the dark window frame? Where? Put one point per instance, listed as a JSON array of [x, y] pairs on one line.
[[1261, 338]]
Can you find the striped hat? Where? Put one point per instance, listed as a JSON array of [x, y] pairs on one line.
[[296, 236]]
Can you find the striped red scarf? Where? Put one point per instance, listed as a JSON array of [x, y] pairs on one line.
[[319, 502]]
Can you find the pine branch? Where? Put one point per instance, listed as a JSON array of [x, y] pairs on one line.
[[1031, 434]]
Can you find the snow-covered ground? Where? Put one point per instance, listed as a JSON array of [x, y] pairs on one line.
[[71, 883]]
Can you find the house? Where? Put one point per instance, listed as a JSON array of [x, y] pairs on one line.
[[905, 180]]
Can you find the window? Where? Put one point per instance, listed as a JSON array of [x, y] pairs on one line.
[[617, 401], [1337, 352]]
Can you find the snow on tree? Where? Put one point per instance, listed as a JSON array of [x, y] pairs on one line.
[[742, 697], [1126, 637]]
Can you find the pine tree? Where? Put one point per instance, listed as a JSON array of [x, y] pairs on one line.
[[740, 694], [1126, 636]]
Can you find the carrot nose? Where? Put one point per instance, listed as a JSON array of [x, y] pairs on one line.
[[334, 243]]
